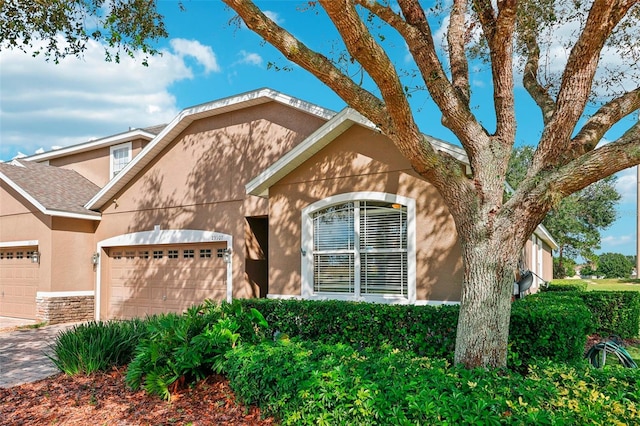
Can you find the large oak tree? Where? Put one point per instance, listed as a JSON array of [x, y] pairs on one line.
[[505, 34]]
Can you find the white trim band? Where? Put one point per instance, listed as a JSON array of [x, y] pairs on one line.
[[25, 243], [50, 294]]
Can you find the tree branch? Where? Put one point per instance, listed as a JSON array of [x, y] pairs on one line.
[[499, 33], [321, 67], [577, 81], [600, 122], [530, 77], [456, 38]]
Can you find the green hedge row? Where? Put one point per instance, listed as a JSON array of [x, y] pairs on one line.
[[614, 312], [553, 328], [307, 383], [566, 285], [550, 326], [424, 330]]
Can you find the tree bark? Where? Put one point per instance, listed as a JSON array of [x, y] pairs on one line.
[[485, 305]]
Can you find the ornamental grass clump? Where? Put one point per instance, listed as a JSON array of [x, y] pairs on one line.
[[96, 346]]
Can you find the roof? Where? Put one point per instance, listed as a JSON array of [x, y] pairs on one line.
[[147, 133], [322, 137], [52, 190], [184, 119]]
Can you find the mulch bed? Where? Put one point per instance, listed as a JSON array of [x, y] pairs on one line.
[[104, 399]]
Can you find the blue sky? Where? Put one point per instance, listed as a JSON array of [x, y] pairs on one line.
[[43, 105]]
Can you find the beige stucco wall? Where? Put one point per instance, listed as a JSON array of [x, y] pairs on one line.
[[198, 181], [72, 245], [363, 160], [20, 221], [95, 164]]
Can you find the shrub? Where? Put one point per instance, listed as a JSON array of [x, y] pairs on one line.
[[96, 346], [424, 330], [615, 312], [614, 265], [551, 326], [567, 285], [305, 383], [181, 349]]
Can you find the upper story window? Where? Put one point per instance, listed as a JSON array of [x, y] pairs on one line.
[[120, 157], [360, 246]]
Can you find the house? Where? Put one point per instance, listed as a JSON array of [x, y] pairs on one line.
[[256, 195]]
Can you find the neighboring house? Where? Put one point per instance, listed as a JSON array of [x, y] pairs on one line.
[[257, 195]]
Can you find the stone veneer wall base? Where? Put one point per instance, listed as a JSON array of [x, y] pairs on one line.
[[56, 310]]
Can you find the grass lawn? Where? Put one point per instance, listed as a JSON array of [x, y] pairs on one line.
[[613, 284]]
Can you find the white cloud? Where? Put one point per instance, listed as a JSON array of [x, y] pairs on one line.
[[274, 16], [616, 240], [627, 184], [202, 54], [249, 58], [43, 105]]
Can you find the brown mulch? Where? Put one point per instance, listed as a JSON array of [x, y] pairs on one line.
[[104, 399]]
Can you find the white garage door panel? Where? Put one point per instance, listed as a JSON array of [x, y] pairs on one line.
[[156, 279], [19, 279]]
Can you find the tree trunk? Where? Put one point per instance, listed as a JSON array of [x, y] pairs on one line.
[[485, 305]]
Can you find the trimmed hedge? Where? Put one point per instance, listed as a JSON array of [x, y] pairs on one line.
[[553, 328], [550, 326], [615, 312], [307, 383], [566, 285], [424, 330]]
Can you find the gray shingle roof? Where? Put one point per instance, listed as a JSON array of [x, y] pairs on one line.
[[54, 188]]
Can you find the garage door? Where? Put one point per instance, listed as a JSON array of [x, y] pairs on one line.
[[148, 280], [18, 282]]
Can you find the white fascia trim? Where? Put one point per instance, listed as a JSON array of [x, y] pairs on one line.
[[50, 294], [91, 145], [315, 142], [160, 237], [25, 243], [59, 213], [43, 209], [544, 234], [306, 245], [186, 117]]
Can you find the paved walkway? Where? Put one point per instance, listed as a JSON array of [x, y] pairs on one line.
[[22, 352]]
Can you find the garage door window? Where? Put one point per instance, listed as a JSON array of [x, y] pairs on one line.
[[158, 254], [205, 253], [188, 254]]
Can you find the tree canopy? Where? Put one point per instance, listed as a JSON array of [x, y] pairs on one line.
[[579, 98]]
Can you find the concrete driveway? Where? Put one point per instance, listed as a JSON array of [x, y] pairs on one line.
[[22, 352]]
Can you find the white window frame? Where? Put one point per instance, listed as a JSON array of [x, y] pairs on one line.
[[307, 270], [112, 160]]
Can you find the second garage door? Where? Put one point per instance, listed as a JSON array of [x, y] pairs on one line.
[[148, 280], [19, 278]]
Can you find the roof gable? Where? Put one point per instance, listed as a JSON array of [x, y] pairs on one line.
[[184, 119], [52, 190], [333, 128], [148, 134]]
